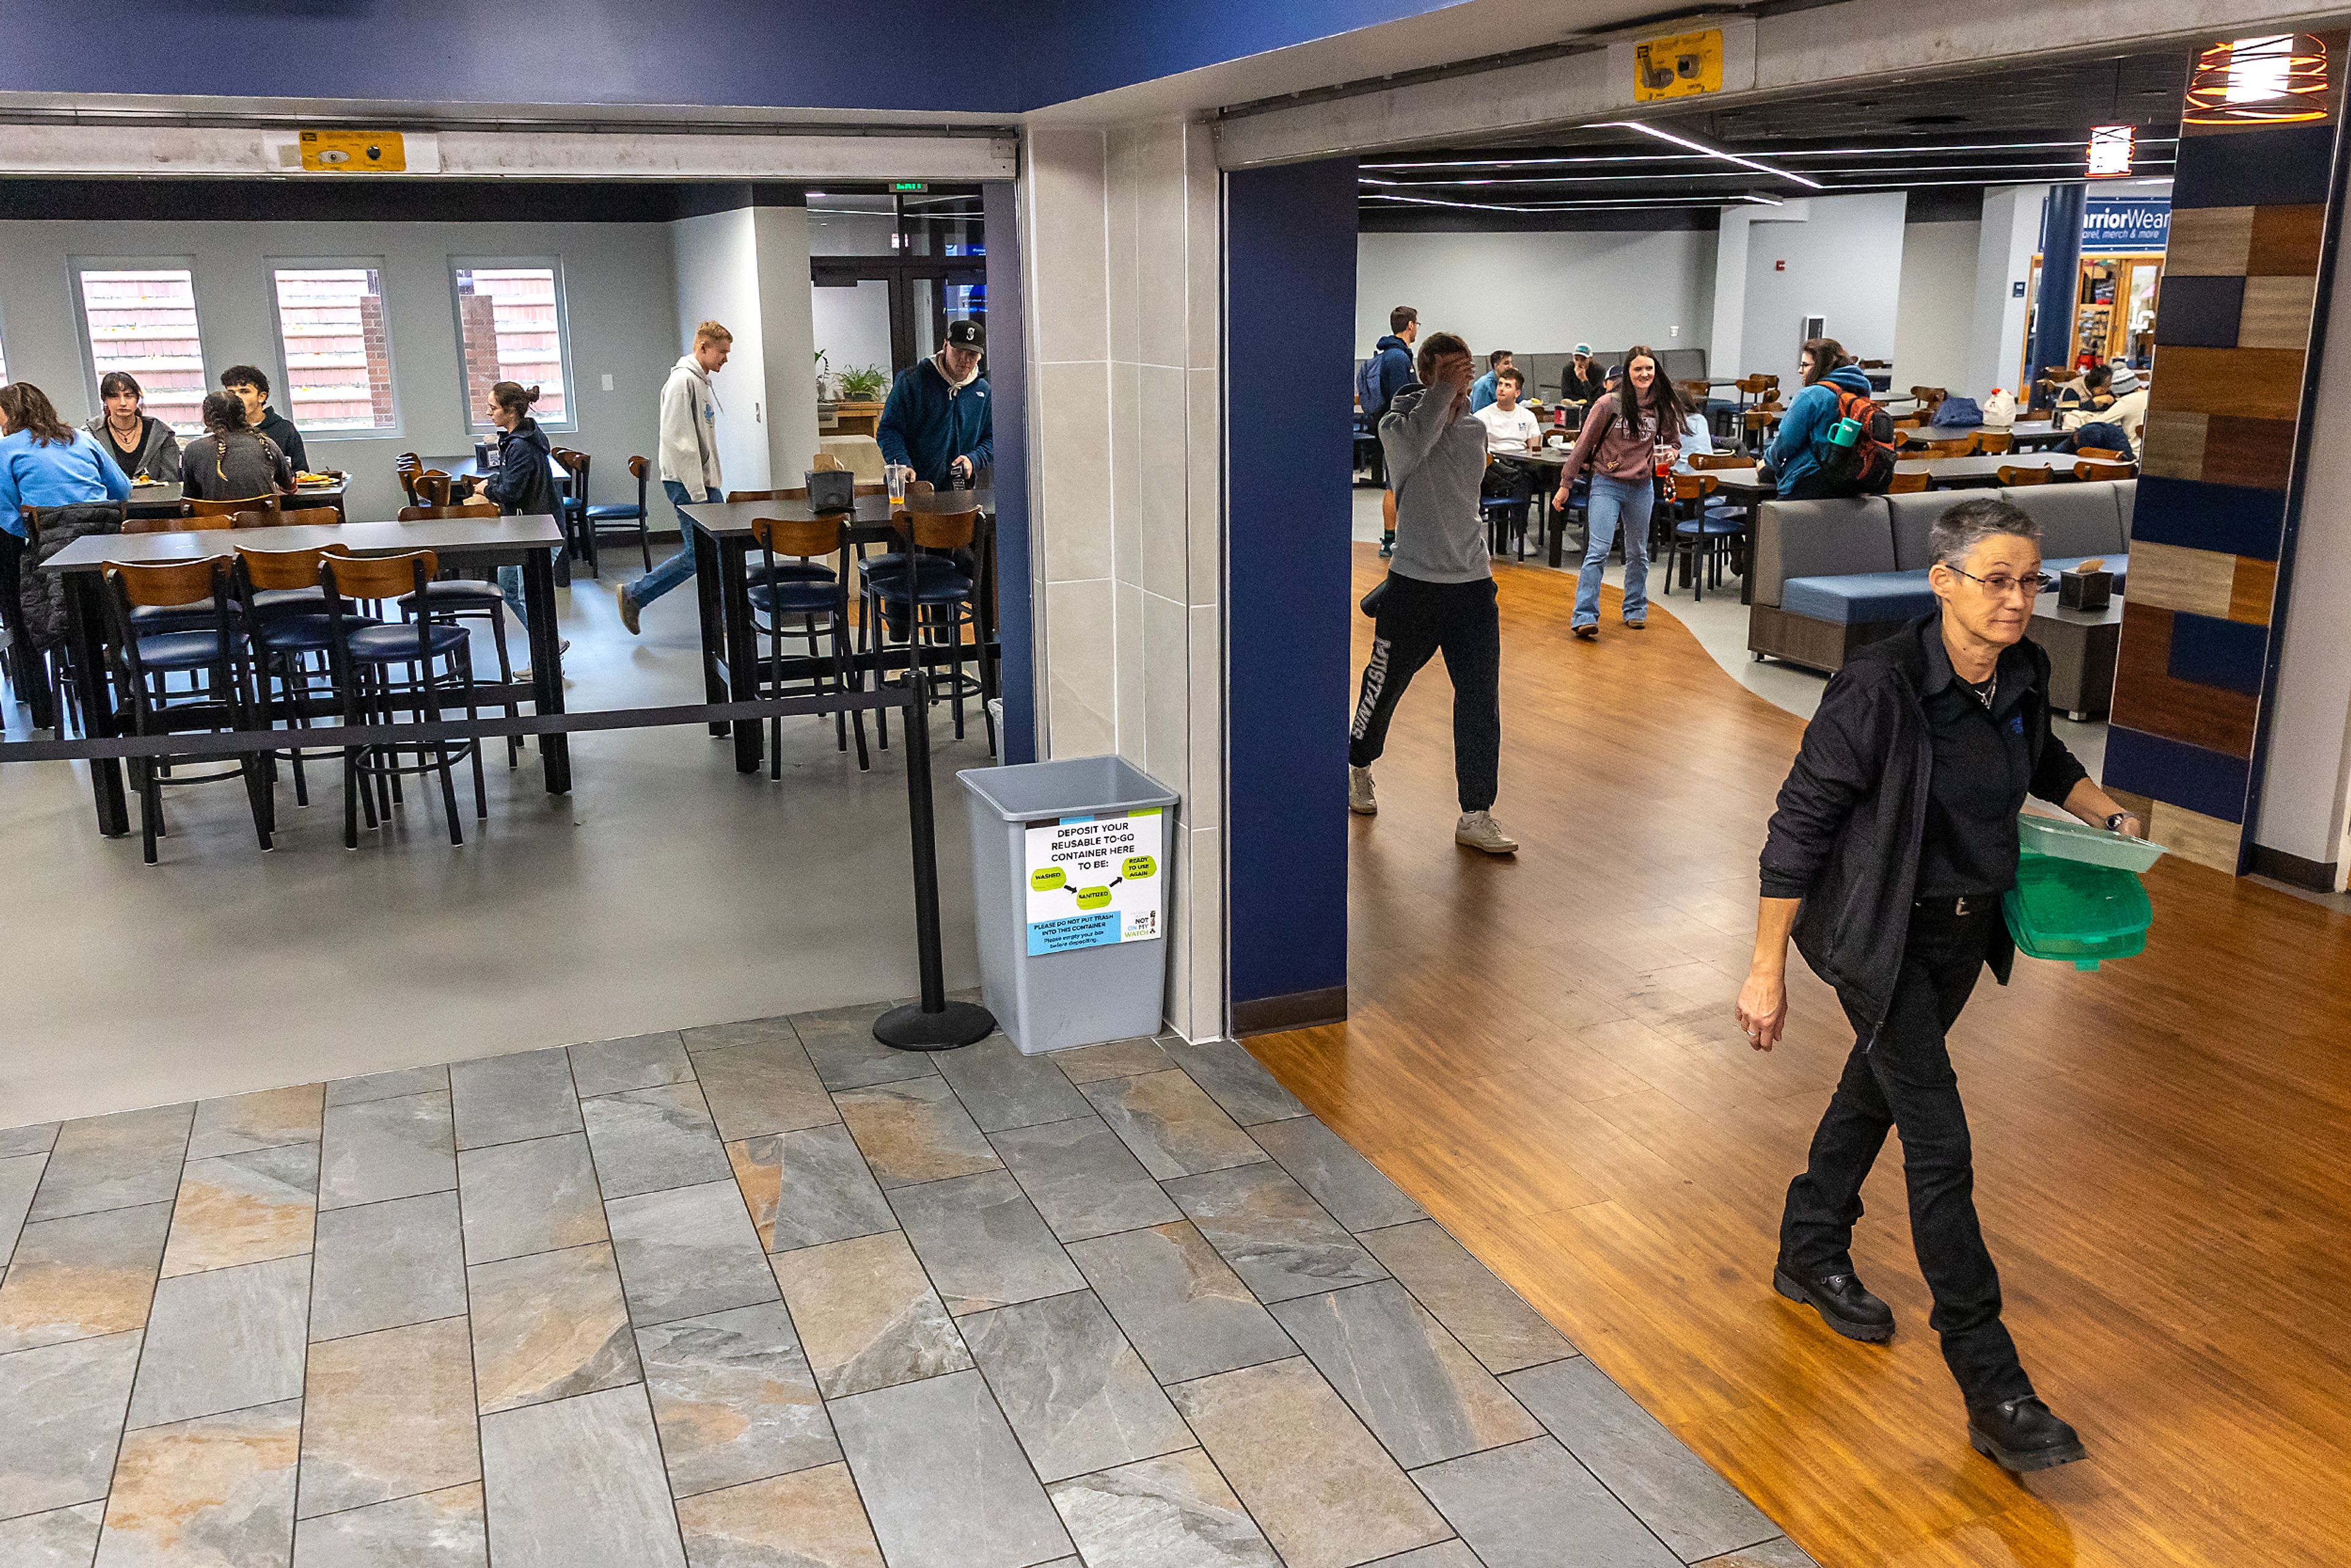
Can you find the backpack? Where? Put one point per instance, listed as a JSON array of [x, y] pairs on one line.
[[1866, 467], [1367, 397], [1957, 411]]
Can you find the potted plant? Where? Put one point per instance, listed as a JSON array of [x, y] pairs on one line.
[[866, 385]]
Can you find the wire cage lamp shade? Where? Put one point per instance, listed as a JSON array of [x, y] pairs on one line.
[[2273, 81]]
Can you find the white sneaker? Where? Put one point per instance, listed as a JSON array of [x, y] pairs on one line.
[[1478, 831], [1360, 799]]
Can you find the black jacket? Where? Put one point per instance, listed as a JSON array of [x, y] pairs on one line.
[[1853, 809], [523, 485], [280, 429]]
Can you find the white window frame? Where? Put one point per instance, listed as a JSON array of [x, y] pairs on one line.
[[78, 264], [475, 423], [270, 267]]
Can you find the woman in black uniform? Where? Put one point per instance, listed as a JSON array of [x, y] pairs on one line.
[[1895, 837]]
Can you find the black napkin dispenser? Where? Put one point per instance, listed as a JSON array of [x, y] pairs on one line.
[[2088, 586], [831, 490]]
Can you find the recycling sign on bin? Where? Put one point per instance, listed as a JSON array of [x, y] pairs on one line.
[[1094, 881]]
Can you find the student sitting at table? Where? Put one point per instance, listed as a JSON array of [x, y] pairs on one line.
[[1583, 380], [139, 443], [251, 387], [232, 461], [522, 484], [1483, 391], [1795, 458], [1510, 427], [44, 461]]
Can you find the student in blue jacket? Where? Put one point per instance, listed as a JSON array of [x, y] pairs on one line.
[[44, 461], [937, 421], [1810, 415]]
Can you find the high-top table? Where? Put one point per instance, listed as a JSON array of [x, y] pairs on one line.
[[523, 541], [731, 662]]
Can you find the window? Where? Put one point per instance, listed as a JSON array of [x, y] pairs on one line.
[[338, 363], [510, 326], [142, 320]]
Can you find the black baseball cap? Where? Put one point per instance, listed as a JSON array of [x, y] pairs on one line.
[[966, 335]]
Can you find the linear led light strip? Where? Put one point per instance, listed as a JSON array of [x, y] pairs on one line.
[[1567, 207], [1506, 181], [1687, 158], [1716, 152]]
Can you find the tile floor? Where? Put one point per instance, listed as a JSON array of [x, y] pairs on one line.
[[768, 1294]]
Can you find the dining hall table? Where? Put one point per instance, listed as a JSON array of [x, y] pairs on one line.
[[2028, 435], [163, 499], [731, 661], [474, 542]]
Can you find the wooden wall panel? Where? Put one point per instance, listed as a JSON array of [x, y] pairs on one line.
[[2222, 431]]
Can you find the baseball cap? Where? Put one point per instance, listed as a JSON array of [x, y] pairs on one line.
[[966, 335], [1585, 348]]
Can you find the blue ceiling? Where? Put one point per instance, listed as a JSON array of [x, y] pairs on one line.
[[895, 55]]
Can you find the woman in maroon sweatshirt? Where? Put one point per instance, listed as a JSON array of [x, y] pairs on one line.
[[1625, 435]]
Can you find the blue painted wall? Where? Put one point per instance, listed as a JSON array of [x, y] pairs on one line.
[[1289, 289], [1003, 58], [1007, 376]]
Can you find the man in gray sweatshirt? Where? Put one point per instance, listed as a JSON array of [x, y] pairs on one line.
[[1439, 594]]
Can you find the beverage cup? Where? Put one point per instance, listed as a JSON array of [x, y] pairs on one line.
[[897, 475]]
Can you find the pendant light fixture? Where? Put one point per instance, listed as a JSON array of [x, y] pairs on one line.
[[2273, 80]]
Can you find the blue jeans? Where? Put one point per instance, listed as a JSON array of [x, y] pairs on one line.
[[1616, 503], [677, 567], [510, 584]]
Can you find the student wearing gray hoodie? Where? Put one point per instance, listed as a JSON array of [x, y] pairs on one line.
[[139, 443], [1439, 593]]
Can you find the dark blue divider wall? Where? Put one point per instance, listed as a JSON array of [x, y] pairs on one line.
[[1008, 380], [1289, 328]]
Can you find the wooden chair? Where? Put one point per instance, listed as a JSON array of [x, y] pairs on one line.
[[819, 606], [1756, 389], [284, 608], [1698, 536], [933, 593], [1993, 443], [620, 517], [2012, 475], [1703, 461], [205, 523], [406, 467], [1752, 423], [789, 567], [470, 599], [430, 487], [363, 655], [2105, 470], [215, 701], [826, 463], [269, 506], [1909, 483], [1962, 448], [1909, 421], [573, 507], [2101, 454], [299, 518]]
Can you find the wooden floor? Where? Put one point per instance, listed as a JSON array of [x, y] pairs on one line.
[[1543, 1053]]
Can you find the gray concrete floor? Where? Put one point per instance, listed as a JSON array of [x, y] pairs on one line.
[[666, 891]]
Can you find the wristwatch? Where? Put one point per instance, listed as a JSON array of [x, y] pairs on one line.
[[2115, 823]]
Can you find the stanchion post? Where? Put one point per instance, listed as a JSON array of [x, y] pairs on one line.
[[935, 1023]]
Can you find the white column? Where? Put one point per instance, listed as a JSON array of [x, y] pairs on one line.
[[2004, 247], [787, 341], [1728, 347]]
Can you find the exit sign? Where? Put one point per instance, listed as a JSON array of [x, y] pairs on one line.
[[916, 186]]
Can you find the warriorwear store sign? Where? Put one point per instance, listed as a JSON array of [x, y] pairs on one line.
[[1095, 882], [2109, 225]]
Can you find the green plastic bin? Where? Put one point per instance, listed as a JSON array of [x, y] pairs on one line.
[[2074, 912]]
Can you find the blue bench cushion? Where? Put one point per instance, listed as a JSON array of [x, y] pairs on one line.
[[1862, 598], [1869, 597]]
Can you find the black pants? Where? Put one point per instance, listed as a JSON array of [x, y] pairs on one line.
[[1416, 620], [1903, 1079]]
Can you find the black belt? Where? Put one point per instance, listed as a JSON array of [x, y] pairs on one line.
[[1957, 904]]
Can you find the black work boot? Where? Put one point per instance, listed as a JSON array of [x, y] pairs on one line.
[[2021, 1435], [1841, 1299]]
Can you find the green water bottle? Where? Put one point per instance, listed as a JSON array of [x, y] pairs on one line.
[[1846, 433]]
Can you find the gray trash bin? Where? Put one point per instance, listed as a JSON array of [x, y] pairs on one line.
[[1070, 877]]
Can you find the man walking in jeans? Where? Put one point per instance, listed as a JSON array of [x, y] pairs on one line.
[[689, 459], [1440, 592]]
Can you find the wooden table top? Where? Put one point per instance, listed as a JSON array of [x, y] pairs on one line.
[[449, 536], [1946, 470], [143, 497], [2022, 429], [730, 517]]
